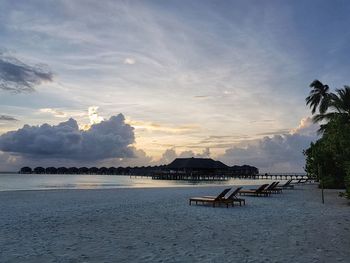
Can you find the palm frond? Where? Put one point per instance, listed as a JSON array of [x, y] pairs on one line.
[[316, 84], [324, 104], [322, 129], [318, 97], [323, 117]]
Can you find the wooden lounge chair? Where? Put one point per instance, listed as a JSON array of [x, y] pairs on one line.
[[307, 180], [213, 200], [273, 189], [233, 197], [256, 192], [268, 188], [287, 185], [298, 181]]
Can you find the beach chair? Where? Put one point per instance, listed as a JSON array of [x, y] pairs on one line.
[[287, 185], [273, 189], [213, 200], [307, 180], [233, 197], [297, 182], [256, 192]]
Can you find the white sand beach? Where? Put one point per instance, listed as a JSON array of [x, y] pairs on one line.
[[158, 225]]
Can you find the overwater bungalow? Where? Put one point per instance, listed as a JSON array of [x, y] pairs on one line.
[[51, 170], [26, 170], [191, 165], [202, 169], [39, 170]]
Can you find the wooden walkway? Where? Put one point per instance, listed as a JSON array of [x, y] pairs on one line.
[[224, 177]]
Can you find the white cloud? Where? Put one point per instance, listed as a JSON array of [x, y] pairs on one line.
[[54, 112], [129, 61], [306, 127], [93, 115]]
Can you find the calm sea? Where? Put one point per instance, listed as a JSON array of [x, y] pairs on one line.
[[11, 182]]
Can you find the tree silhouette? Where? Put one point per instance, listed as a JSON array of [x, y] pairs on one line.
[[319, 97]]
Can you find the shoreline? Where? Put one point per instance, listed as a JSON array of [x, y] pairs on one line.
[[152, 187], [73, 182]]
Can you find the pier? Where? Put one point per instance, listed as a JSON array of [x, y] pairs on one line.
[[227, 176]]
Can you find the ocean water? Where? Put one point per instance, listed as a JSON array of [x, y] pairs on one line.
[[12, 182]]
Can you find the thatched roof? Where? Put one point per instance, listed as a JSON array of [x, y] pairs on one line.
[[196, 163]]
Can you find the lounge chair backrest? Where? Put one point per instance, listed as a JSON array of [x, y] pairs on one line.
[[222, 194], [271, 186], [234, 193], [261, 188], [274, 186], [288, 182]]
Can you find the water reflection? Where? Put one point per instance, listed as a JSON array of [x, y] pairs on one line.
[[10, 182]]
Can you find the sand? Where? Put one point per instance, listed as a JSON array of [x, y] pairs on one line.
[[158, 225]]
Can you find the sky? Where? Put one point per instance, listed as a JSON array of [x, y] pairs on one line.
[[118, 83]]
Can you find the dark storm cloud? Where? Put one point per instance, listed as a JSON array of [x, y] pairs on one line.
[[7, 118], [17, 77], [109, 139]]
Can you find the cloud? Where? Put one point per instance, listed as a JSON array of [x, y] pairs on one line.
[[112, 138], [129, 61], [200, 97], [17, 77], [54, 112], [306, 127], [170, 154], [7, 118], [8, 162], [140, 158], [164, 128], [278, 132], [93, 115], [283, 152]]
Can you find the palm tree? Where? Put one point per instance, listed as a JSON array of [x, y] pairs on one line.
[[340, 103], [319, 97]]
